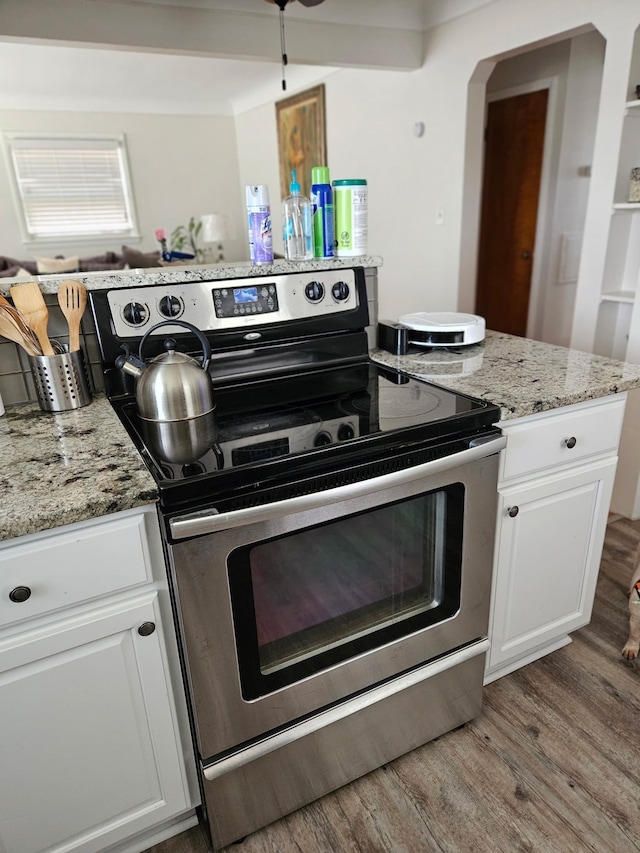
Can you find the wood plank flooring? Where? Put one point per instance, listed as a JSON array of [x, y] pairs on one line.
[[552, 765]]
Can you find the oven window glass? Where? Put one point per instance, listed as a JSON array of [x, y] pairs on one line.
[[318, 596]]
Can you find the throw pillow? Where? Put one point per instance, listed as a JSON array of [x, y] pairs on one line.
[[54, 265]]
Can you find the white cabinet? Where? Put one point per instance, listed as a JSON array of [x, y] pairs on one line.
[[92, 729], [556, 478]]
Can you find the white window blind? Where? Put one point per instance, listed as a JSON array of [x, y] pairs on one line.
[[72, 186]]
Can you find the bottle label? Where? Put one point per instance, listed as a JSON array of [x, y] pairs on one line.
[[351, 220], [323, 227], [260, 237]]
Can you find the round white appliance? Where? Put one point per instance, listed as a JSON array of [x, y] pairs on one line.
[[444, 328]]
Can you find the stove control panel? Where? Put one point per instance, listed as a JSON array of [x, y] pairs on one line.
[[232, 303]]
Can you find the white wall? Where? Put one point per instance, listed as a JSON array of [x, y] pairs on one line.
[[370, 119], [181, 166]]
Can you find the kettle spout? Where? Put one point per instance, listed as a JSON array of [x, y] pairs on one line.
[[130, 363]]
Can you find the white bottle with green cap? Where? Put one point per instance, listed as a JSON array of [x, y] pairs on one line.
[[350, 199], [298, 224]]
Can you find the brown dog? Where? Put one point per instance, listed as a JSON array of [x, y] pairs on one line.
[[632, 647]]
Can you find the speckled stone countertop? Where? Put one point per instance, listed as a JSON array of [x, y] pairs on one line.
[[519, 375], [190, 272], [59, 468], [74, 466]]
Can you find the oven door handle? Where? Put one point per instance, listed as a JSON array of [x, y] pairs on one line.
[[340, 712], [212, 521]]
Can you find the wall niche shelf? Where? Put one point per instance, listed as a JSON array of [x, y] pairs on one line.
[[625, 296], [626, 207]]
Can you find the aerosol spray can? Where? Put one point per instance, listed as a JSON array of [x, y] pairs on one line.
[[259, 219], [322, 211]]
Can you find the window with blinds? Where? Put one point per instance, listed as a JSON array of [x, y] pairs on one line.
[[71, 186]]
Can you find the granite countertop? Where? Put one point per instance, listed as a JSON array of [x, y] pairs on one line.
[[521, 376], [73, 466], [64, 467], [189, 272]]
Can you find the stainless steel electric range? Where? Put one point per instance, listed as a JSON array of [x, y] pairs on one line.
[[329, 555]]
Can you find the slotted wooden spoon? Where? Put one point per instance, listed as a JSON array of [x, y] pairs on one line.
[[72, 298], [30, 302]]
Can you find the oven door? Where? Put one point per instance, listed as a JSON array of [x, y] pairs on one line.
[[288, 608]]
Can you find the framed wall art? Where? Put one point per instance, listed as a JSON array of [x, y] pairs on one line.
[[302, 141]]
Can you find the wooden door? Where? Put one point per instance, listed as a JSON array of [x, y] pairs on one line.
[[511, 188]]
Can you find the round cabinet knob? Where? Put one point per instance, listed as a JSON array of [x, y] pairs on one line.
[[345, 432], [340, 291], [322, 439], [135, 314], [314, 291], [170, 307], [20, 594], [512, 511], [571, 441], [146, 629]]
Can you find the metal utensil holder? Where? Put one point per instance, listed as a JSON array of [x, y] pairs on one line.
[[61, 381]]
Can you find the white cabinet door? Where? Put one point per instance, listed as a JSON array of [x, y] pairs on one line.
[[88, 751], [551, 532]]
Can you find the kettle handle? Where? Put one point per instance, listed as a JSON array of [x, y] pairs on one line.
[[206, 348]]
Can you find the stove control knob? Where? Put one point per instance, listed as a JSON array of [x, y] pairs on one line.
[[340, 291], [314, 291], [170, 307], [323, 438], [345, 432], [135, 314]]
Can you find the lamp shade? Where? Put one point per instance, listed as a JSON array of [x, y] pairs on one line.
[[214, 227]]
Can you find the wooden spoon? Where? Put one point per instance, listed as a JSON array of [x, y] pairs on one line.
[[72, 298], [12, 313], [30, 302], [9, 329]]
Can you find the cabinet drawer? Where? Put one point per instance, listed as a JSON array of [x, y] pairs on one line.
[[71, 567], [561, 438]]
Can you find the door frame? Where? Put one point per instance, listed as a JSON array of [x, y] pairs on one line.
[[540, 268]]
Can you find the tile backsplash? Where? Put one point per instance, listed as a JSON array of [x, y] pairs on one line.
[[16, 381]]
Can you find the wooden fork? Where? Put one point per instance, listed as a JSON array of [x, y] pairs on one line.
[[72, 298]]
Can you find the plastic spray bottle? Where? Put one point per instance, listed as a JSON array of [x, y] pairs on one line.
[[322, 211], [298, 224]]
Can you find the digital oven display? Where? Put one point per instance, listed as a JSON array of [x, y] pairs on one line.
[[243, 295], [245, 301]]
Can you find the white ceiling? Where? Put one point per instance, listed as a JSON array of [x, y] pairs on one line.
[[63, 76]]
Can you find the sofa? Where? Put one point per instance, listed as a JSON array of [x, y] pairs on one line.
[[128, 259]]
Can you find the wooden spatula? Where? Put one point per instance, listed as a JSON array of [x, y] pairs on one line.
[[72, 298], [30, 302]]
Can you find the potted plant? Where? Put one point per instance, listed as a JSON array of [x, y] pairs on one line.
[[186, 237]]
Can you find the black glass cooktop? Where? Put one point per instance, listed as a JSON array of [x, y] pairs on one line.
[[265, 431]]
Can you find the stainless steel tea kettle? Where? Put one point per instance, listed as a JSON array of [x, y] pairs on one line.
[[174, 395]]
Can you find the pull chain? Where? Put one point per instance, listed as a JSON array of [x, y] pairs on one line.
[[283, 48]]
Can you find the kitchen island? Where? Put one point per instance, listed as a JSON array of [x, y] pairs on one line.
[[562, 412], [74, 466], [84, 603]]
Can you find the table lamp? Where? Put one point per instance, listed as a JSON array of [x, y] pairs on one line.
[[214, 230]]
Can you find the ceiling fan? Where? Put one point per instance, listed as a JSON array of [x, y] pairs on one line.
[[281, 4]]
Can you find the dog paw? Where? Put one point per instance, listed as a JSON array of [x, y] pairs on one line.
[[630, 651]]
